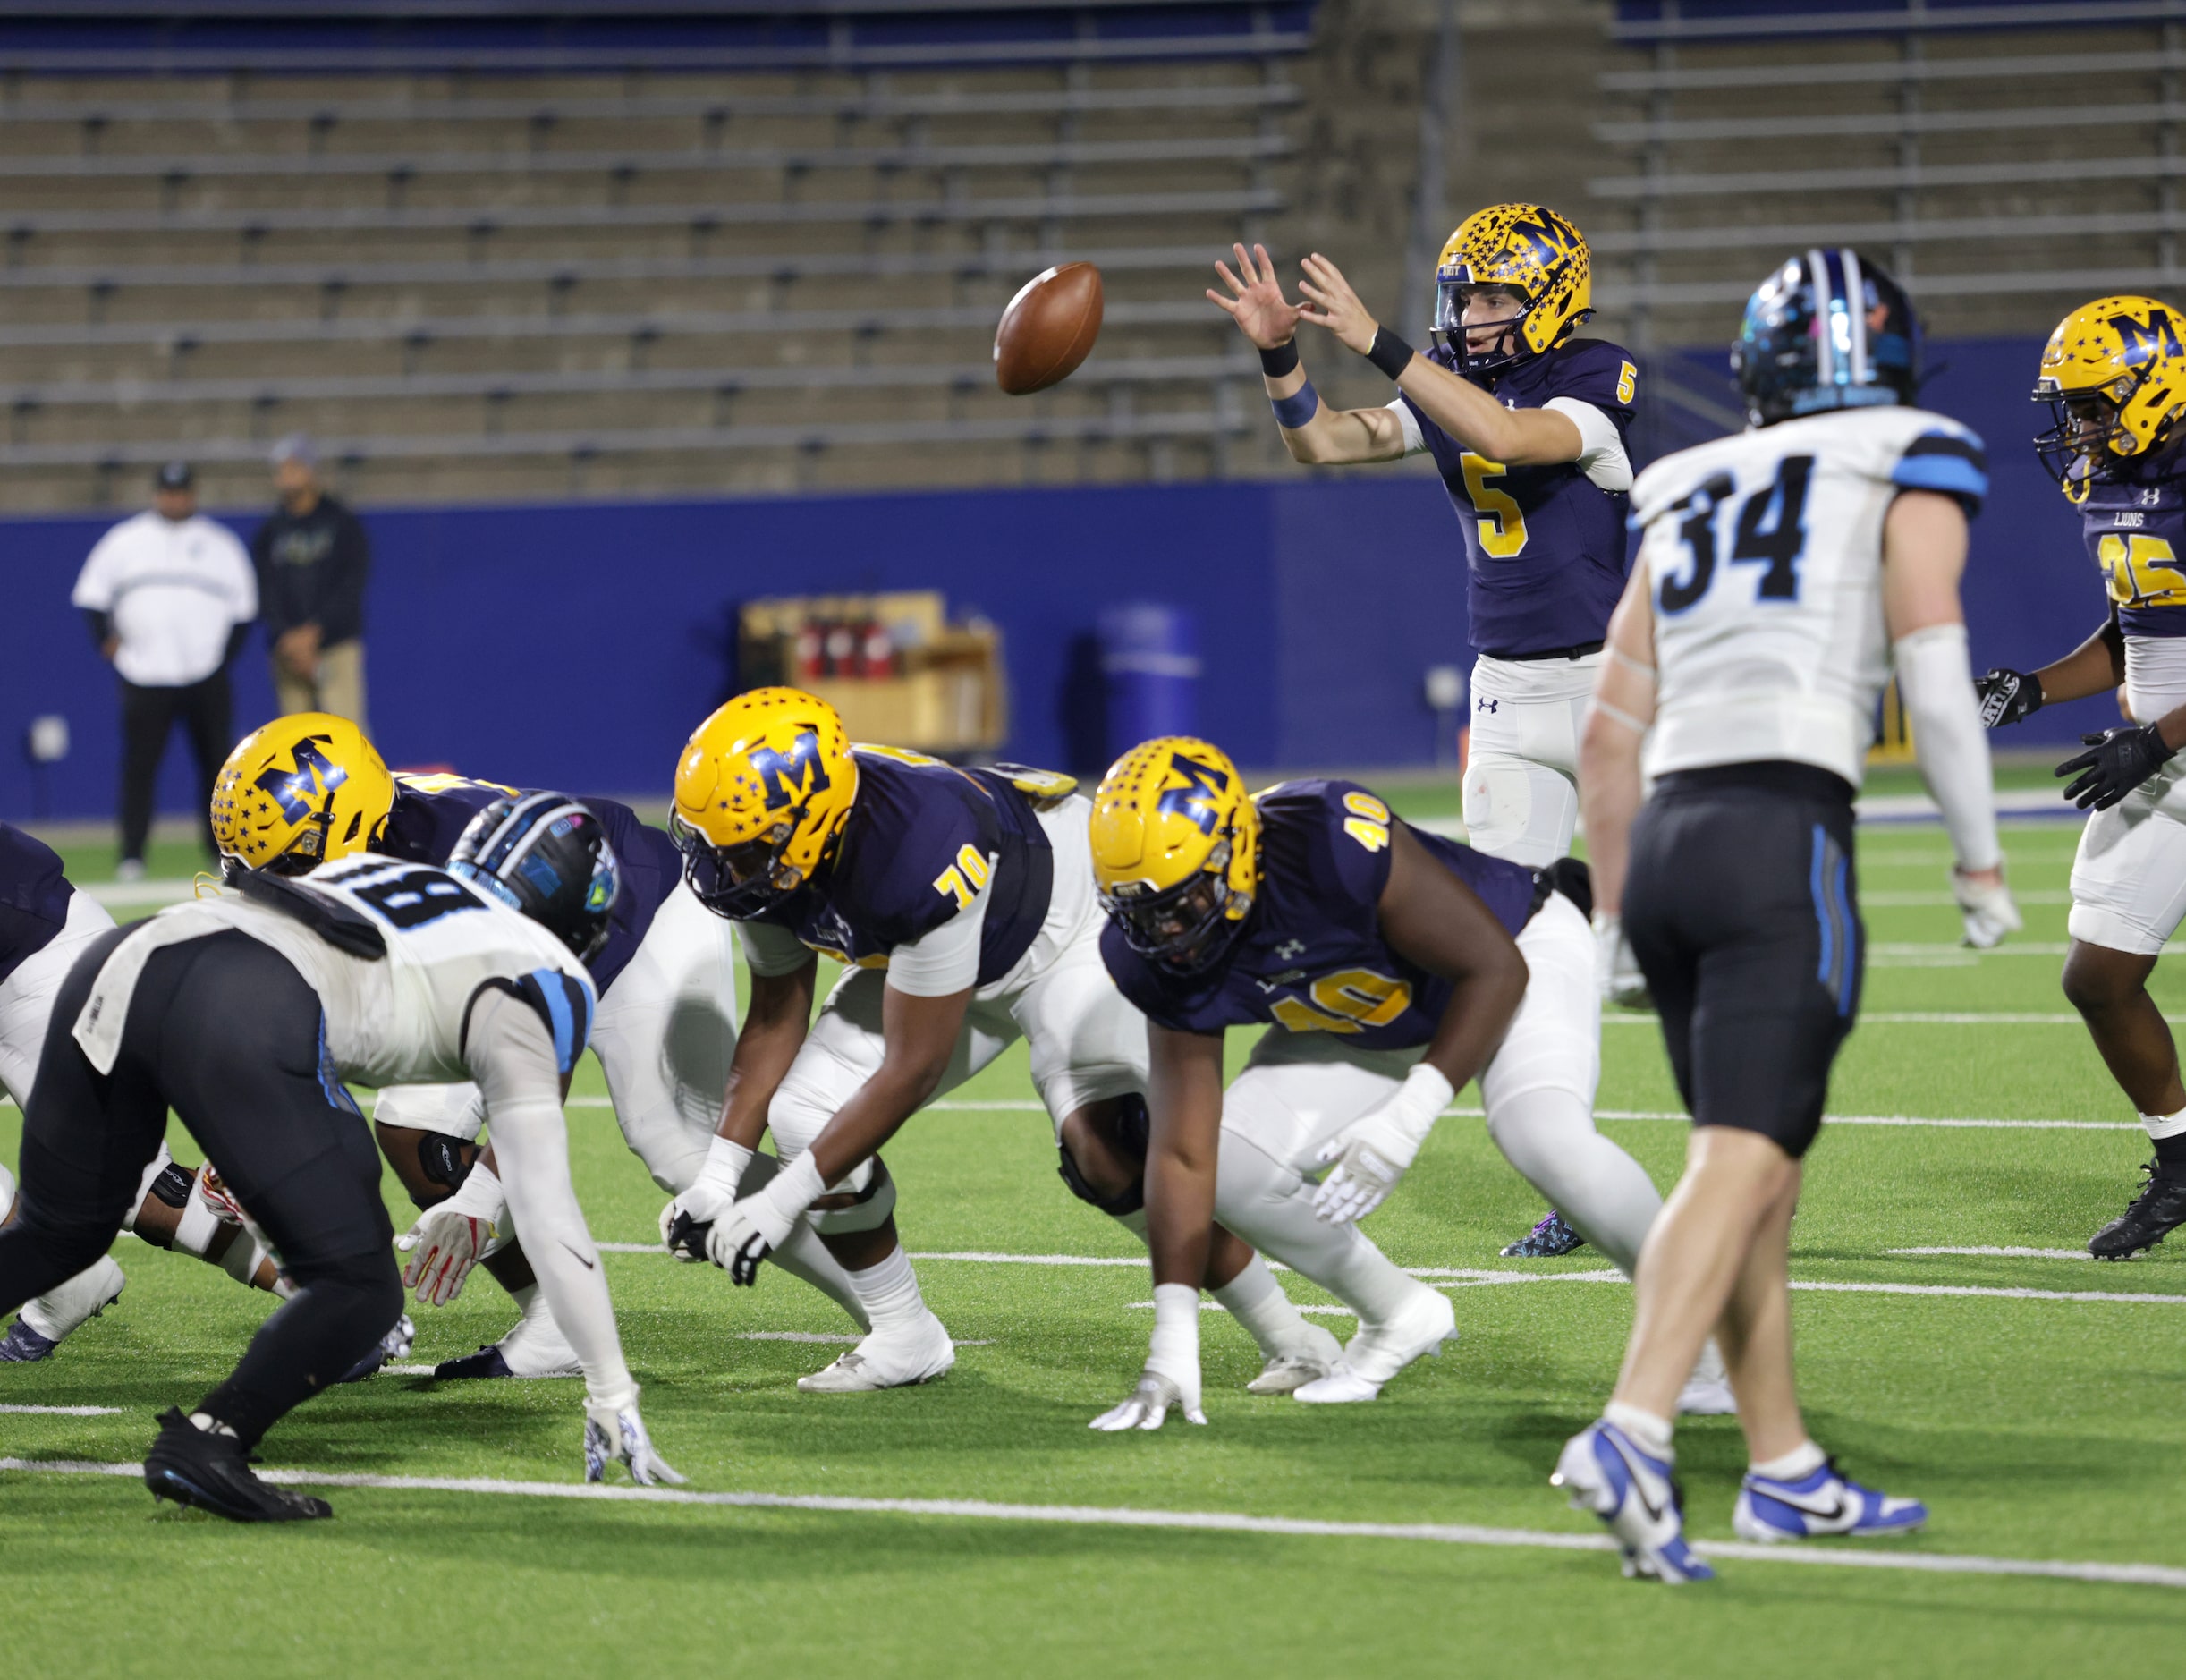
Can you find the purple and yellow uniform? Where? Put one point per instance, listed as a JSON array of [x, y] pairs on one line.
[[2135, 529], [922, 839], [34, 895], [1311, 957]]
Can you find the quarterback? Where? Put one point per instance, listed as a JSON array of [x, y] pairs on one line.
[[2114, 377], [961, 905]]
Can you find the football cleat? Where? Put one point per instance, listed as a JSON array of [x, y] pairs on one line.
[[1417, 1330], [1547, 1239], [393, 1345], [1822, 1502], [887, 1361], [1636, 1496], [210, 1470], [1706, 1398], [1286, 1371], [60, 1311], [2159, 1210], [535, 1348]]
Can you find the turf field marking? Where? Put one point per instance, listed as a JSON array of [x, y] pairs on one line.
[[2004, 1253], [1937, 901], [67, 1412], [629, 1248], [979, 1258], [1202, 1522]]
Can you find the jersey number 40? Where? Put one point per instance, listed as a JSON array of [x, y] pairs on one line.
[[1770, 531]]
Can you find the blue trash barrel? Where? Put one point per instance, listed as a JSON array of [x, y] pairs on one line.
[[1150, 665]]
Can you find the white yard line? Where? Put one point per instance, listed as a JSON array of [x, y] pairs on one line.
[[1199, 1522], [66, 1412], [1893, 899], [2004, 1253]]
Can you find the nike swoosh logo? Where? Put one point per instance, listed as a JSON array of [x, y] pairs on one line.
[[1811, 1504], [589, 1265], [1653, 1502]]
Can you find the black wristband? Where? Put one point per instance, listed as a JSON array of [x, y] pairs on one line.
[[1282, 359], [1390, 353]]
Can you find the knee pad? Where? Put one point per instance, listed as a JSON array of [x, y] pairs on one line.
[[1125, 1202], [865, 1209], [170, 1187], [440, 1157], [1524, 812]]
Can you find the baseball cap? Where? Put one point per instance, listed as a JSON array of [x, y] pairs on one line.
[[175, 475], [296, 446]]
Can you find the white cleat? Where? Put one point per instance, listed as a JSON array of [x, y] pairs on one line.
[[1417, 1330], [1287, 1373], [887, 1360], [1706, 1398], [536, 1348], [57, 1314]]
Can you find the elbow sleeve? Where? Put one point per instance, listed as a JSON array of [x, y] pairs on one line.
[[1936, 684]]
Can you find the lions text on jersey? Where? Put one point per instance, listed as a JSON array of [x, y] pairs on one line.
[[1312, 957], [1763, 553], [1546, 544], [430, 813], [921, 842]]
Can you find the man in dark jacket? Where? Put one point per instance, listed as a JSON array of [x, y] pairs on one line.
[[312, 558]]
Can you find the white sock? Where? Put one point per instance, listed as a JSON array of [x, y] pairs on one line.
[[2165, 1125], [1652, 1433], [1802, 1461], [803, 1255], [212, 1425], [890, 1293], [1271, 1207], [1548, 1135], [1175, 1343], [1256, 1301]]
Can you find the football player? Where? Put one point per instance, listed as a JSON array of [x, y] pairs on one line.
[[1395, 966], [1781, 573], [2113, 375], [1526, 424], [247, 1013], [961, 904], [308, 789], [45, 925]]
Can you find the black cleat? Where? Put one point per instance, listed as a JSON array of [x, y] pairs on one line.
[[195, 1466], [488, 1362], [1547, 1239], [2159, 1210]]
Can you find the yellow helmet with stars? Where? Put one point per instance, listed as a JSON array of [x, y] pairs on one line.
[[2114, 375], [1535, 253], [300, 791], [1176, 844], [762, 792]]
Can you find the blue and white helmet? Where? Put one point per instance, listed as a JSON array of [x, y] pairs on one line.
[[545, 855], [1829, 329]]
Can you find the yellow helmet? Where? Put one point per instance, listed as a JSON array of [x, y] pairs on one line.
[[2114, 375], [1533, 251], [298, 791], [1176, 844], [762, 791]]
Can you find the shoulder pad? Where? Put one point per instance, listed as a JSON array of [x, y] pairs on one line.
[[343, 928], [562, 1003], [1044, 789]]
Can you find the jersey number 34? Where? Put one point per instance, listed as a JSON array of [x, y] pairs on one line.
[[1770, 531]]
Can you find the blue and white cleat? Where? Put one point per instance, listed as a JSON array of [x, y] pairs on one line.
[[1551, 1237], [24, 1346], [50, 1320], [1824, 1501], [1636, 1495]]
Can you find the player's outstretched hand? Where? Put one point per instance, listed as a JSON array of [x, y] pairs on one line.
[[1148, 1406], [615, 1434], [1255, 301], [443, 1247], [685, 1221], [2005, 697], [2116, 762], [1335, 305], [1370, 1155], [1987, 908]]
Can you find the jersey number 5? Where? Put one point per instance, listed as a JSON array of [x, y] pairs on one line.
[[1771, 531], [1503, 524]]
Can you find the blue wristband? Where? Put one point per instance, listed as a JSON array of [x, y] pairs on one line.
[[1298, 408]]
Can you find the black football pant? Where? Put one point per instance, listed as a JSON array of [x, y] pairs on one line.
[[148, 718], [223, 1029]]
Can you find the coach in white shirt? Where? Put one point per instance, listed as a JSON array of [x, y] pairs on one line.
[[169, 595]]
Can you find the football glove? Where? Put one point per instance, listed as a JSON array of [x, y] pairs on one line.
[[1616, 969], [2005, 697], [758, 1225], [615, 1434], [443, 1247], [1372, 1153], [1148, 1406], [1988, 912], [685, 1221], [214, 1193], [2117, 761]]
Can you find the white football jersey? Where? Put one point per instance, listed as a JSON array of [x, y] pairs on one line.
[[1763, 554], [396, 1019]]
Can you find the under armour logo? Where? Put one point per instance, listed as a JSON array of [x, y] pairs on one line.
[[1481, 703], [2152, 496], [1290, 950]]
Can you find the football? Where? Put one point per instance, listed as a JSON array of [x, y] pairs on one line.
[[1048, 328]]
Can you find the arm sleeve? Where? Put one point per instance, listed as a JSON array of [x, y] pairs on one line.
[[512, 1059], [1415, 440], [771, 950], [944, 960], [1935, 682], [1950, 461], [1601, 446]]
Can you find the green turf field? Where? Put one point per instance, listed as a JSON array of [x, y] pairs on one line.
[[2038, 1428]]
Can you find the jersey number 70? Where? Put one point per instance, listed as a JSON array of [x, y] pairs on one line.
[[1771, 531]]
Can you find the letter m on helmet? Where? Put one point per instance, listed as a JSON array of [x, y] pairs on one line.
[[793, 776], [1196, 799], [295, 791]]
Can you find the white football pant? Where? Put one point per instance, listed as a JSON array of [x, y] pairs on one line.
[[1521, 760]]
